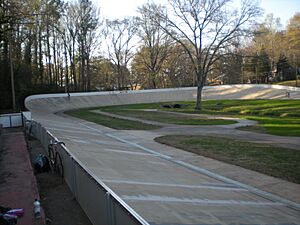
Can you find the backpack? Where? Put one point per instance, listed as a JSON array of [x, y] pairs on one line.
[[41, 164]]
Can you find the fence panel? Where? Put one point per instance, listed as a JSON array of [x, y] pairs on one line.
[[11, 120], [69, 169], [91, 197], [101, 204], [120, 215]]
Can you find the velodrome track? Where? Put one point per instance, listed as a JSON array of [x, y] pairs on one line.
[[162, 184]]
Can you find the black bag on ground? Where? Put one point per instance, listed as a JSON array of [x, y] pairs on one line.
[[41, 164]]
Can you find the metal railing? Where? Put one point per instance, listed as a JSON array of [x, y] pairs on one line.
[[99, 202]]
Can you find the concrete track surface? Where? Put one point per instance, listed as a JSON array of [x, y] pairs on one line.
[[166, 185]]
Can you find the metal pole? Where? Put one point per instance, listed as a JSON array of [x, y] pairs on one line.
[[73, 177], [10, 122], [108, 208], [22, 118]]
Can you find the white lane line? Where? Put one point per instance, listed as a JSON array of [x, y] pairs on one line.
[[97, 141], [94, 141], [139, 146], [88, 142], [129, 143], [69, 131], [74, 137], [201, 186], [121, 151], [166, 199], [62, 124], [208, 173], [80, 141]]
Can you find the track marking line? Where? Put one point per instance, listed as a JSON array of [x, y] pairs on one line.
[[200, 186], [166, 199]]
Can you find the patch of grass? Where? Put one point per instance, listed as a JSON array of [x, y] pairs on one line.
[[289, 83], [277, 117], [111, 122], [170, 118], [257, 129], [278, 125], [278, 162], [280, 108]]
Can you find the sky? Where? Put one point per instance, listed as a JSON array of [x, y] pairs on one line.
[[284, 9], [118, 9]]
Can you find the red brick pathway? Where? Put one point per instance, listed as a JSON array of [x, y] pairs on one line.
[[18, 187]]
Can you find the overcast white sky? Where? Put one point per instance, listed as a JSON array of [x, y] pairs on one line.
[[117, 9]]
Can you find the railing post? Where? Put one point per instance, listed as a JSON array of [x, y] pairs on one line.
[[22, 119], [109, 209], [73, 177], [10, 122]]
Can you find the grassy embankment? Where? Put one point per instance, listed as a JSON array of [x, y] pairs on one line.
[[291, 83], [277, 117], [115, 123], [137, 111]]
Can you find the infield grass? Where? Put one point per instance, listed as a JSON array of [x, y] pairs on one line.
[[115, 123], [278, 162], [277, 117]]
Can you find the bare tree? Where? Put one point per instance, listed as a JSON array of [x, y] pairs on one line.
[[69, 31], [78, 35], [206, 30], [155, 45], [119, 35], [87, 23]]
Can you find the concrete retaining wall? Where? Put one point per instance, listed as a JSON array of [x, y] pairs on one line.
[[50, 103]]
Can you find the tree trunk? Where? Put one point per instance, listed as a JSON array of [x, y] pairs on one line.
[[88, 74], [13, 95], [66, 68], [41, 66], [119, 74], [28, 47], [199, 98], [200, 84], [49, 55], [82, 67], [153, 80], [35, 55], [55, 67], [18, 43], [73, 65]]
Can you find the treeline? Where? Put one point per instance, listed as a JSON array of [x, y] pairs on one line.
[[273, 54], [66, 46], [46, 46]]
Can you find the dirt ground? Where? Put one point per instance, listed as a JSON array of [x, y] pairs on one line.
[[18, 187], [57, 200]]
